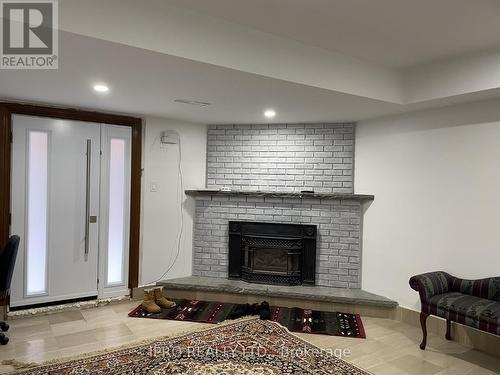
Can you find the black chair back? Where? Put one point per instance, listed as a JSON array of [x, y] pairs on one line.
[[7, 261]]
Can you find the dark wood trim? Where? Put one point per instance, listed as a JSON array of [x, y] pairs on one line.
[[135, 205], [71, 114], [5, 152], [9, 108]]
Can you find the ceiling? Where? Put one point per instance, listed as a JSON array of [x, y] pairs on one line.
[[393, 33], [143, 82], [189, 50]]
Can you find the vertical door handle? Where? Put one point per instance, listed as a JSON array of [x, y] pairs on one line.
[[87, 197]]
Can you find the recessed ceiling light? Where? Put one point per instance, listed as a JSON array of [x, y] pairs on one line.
[[269, 113], [101, 88]]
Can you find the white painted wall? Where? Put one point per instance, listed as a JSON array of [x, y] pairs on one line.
[[161, 209], [452, 77], [436, 179]]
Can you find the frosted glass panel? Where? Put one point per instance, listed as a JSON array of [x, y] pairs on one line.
[[36, 242], [116, 229]]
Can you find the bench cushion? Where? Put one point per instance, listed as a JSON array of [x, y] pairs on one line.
[[484, 288], [472, 311]]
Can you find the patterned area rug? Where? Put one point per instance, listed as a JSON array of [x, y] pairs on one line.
[[295, 319], [190, 310], [319, 322], [241, 347]]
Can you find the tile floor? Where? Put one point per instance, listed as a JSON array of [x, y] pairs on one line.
[[391, 346]]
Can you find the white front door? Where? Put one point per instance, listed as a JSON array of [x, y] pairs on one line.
[[56, 173]]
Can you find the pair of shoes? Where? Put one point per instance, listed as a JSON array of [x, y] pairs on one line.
[[154, 300], [4, 326], [4, 339], [244, 310], [263, 310]]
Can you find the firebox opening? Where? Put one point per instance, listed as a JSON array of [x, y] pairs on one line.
[[272, 253]]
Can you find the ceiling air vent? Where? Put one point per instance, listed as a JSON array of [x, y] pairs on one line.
[[192, 102]]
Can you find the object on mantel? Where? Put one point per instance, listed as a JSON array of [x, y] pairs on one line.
[[276, 194]]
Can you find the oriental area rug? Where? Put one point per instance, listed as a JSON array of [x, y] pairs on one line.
[[294, 319], [245, 346]]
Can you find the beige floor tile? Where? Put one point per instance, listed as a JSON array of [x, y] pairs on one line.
[[386, 369], [59, 329], [7, 352], [481, 371], [28, 331], [67, 316], [367, 361], [76, 339], [459, 370], [106, 312], [125, 307], [116, 342], [35, 345], [391, 347], [112, 331], [28, 321], [415, 366]]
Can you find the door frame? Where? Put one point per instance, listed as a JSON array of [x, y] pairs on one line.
[[7, 109]]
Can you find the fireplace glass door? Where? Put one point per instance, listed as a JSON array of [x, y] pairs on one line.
[[268, 259], [272, 253], [272, 261]]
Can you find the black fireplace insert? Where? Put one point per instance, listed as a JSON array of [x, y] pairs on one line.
[[272, 253]]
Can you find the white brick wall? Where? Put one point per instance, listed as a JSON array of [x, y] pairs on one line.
[[339, 233], [284, 157]]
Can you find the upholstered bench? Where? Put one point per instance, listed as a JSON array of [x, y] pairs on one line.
[[474, 303]]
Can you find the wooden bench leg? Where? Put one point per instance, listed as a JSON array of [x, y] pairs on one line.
[[423, 319], [448, 329]]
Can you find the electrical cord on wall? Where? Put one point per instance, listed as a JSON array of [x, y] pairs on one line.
[[180, 213]]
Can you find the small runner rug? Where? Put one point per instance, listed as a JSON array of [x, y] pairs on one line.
[[241, 347], [295, 319]]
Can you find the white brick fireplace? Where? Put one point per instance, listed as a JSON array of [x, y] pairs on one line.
[[267, 169]]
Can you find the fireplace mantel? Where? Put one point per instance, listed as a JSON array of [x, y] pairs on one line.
[[277, 194]]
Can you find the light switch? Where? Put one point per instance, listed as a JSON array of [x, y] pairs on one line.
[[154, 187]]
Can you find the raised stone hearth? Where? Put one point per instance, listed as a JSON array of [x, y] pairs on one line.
[[325, 294], [325, 298]]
